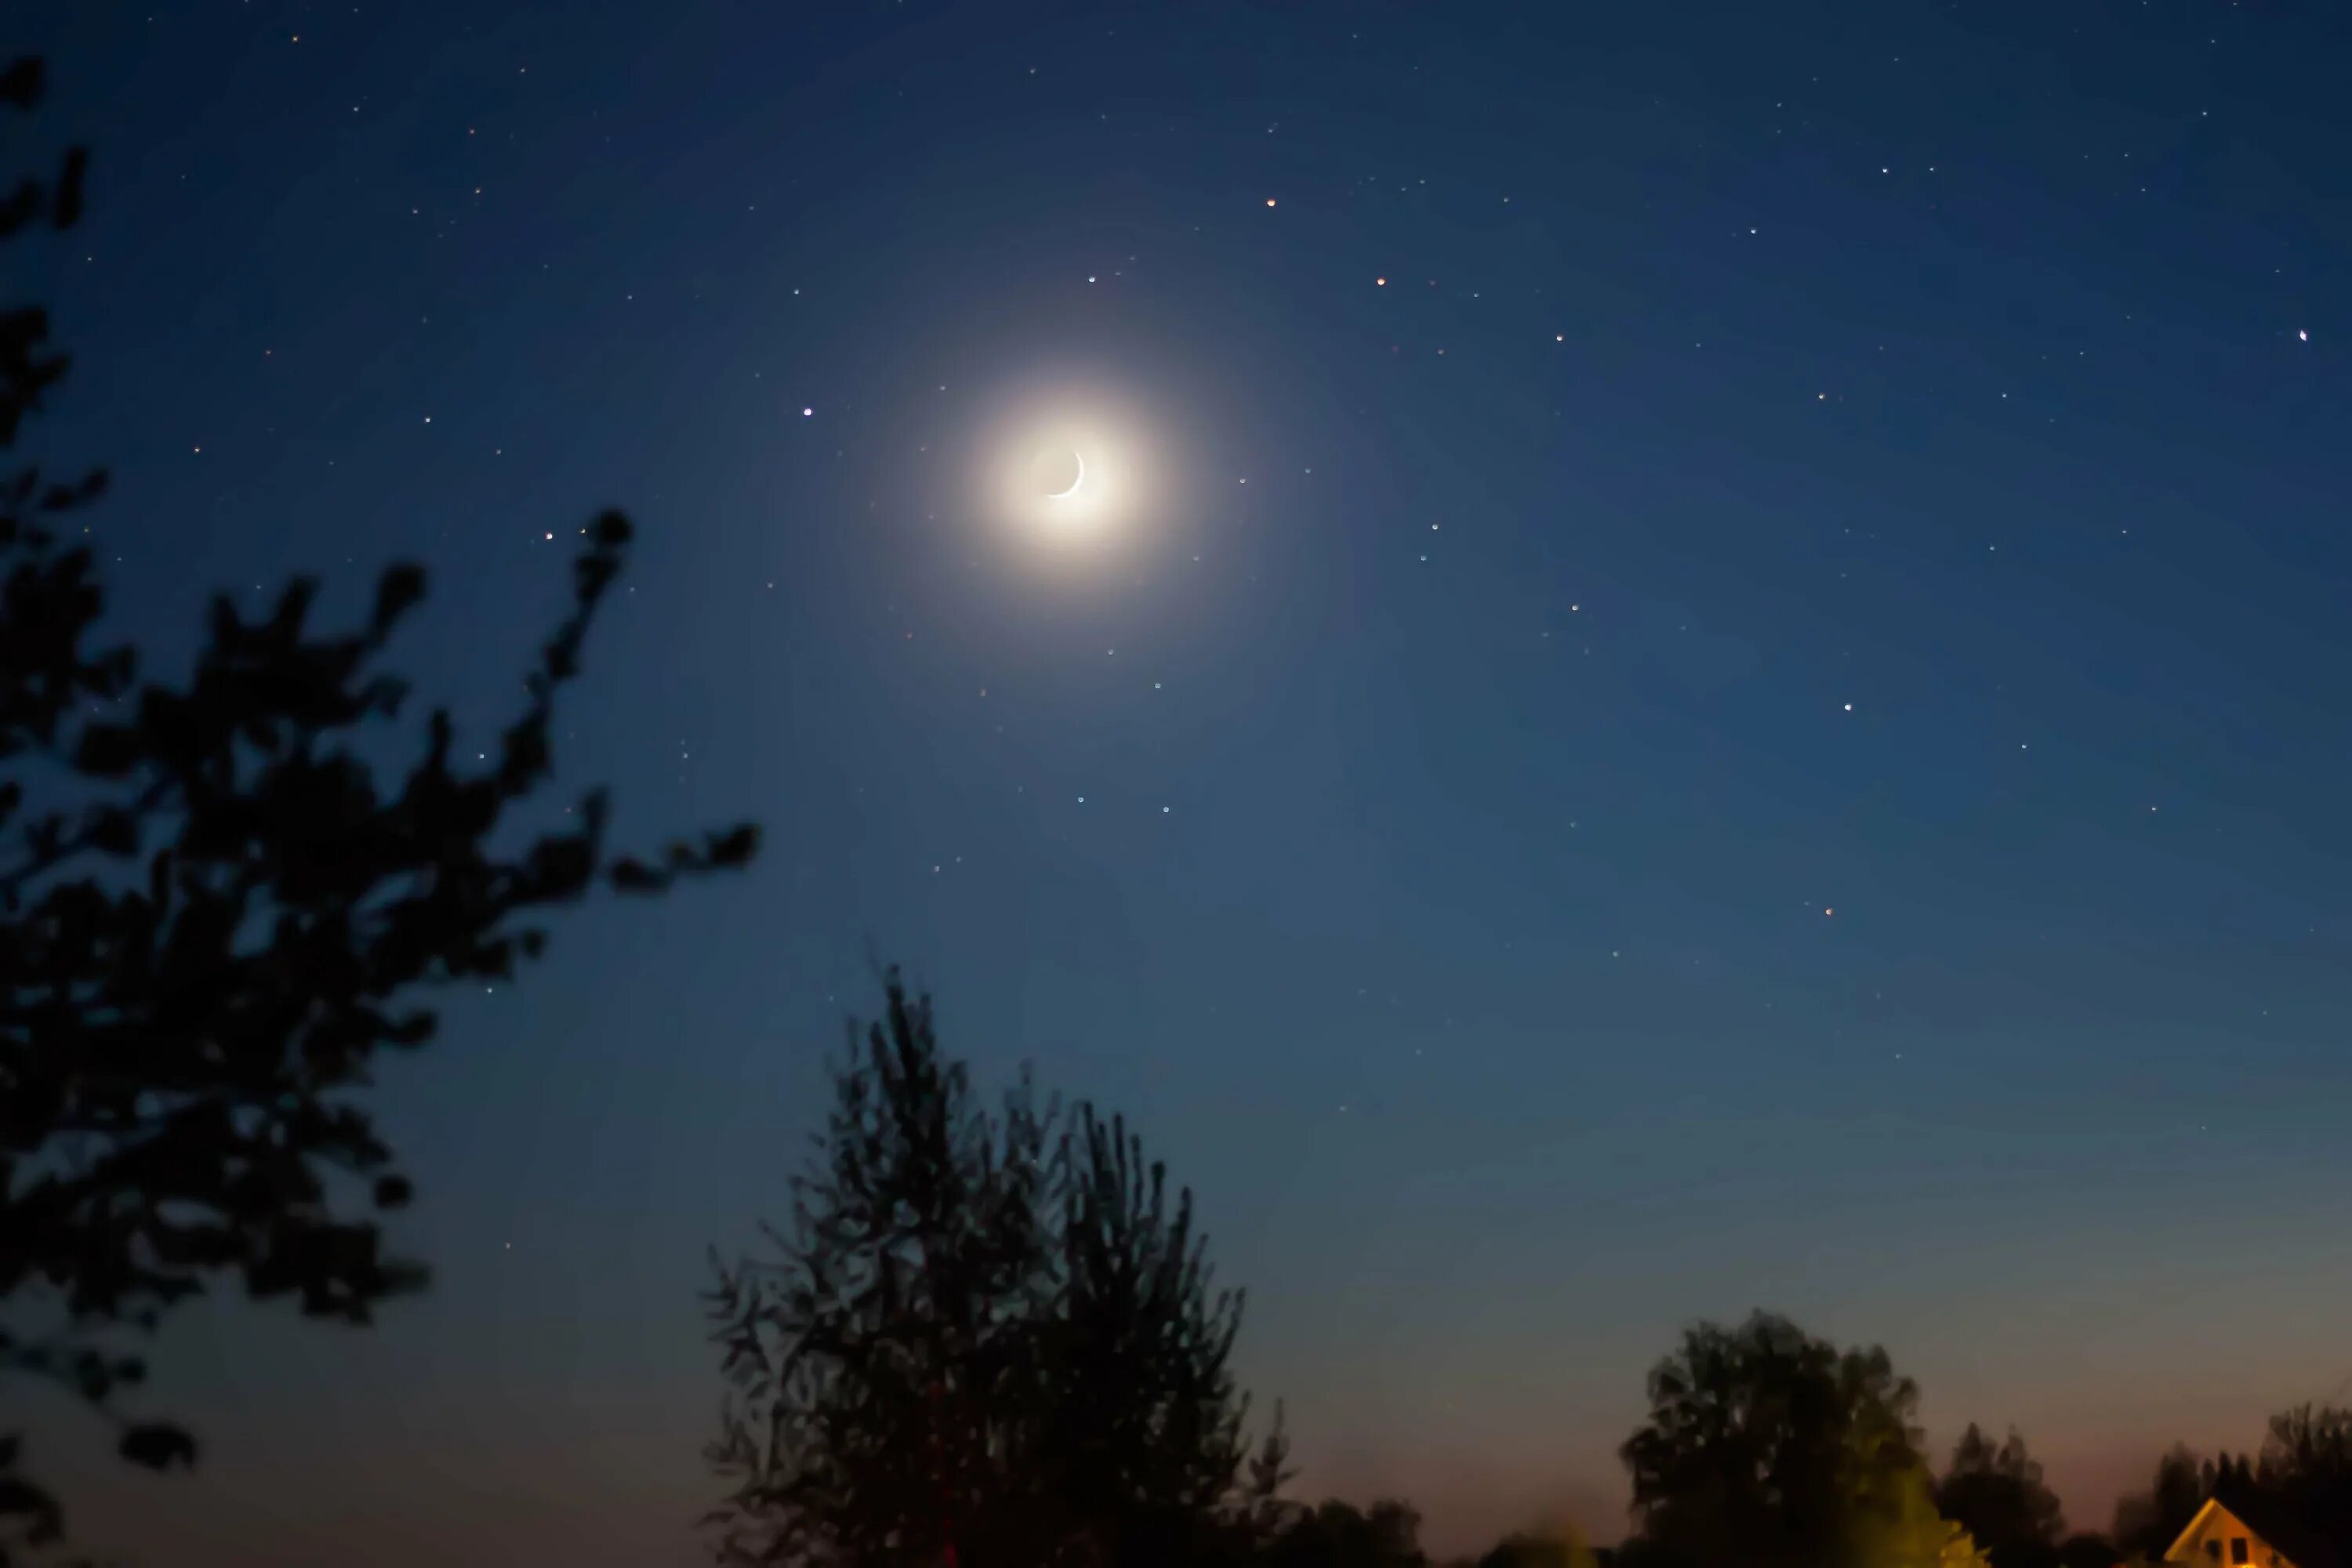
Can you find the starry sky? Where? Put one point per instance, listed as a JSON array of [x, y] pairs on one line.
[[1724, 686]]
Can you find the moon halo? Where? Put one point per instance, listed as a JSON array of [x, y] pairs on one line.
[[1072, 471]]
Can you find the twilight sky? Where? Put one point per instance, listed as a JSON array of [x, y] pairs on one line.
[[1762, 723]]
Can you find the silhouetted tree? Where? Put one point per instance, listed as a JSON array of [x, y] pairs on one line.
[[988, 1337], [2310, 1445], [2147, 1523], [1766, 1448], [2306, 1468], [214, 913], [1341, 1535], [1997, 1494], [2226, 1472]]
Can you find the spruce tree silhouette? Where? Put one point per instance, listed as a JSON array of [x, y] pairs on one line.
[[213, 915], [984, 1340]]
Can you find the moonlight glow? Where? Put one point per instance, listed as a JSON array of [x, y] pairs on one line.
[[1066, 471]]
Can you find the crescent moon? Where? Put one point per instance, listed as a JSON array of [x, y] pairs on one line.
[[1080, 477]]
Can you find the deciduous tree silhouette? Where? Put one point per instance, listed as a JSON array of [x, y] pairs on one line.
[[1996, 1492], [2306, 1466], [214, 913], [985, 1339], [1768, 1449]]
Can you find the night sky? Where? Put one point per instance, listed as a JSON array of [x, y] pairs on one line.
[[1708, 669]]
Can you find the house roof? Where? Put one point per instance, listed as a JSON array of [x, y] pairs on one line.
[[2275, 1524]]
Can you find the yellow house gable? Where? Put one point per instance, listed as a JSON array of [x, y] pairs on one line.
[[2217, 1536]]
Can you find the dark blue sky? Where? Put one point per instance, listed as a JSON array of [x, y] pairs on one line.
[[1875, 459]]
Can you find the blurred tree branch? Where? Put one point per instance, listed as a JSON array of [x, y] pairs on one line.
[[214, 913]]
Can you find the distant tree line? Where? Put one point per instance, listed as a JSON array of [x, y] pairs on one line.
[[2301, 1475], [988, 1334]]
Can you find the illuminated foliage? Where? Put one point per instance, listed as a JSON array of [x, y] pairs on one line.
[[1545, 1549], [1901, 1528], [1769, 1449]]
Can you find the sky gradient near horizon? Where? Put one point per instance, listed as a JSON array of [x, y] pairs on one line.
[[1724, 686]]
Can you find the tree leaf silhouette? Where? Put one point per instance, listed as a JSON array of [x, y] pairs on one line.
[[214, 913], [158, 1445]]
